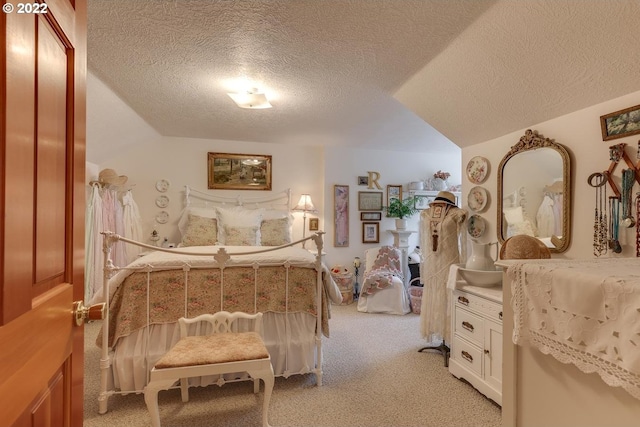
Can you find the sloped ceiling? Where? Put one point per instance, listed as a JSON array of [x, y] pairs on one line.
[[525, 62], [395, 74]]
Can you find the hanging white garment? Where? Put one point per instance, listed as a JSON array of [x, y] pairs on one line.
[[112, 221], [545, 218], [93, 261], [557, 213], [434, 269], [132, 226]]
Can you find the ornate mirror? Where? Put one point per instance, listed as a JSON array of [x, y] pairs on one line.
[[534, 192]]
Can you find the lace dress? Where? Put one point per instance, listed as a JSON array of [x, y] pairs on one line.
[[445, 221]]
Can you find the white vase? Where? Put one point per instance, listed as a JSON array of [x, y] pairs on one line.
[[439, 184], [401, 224], [481, 258]]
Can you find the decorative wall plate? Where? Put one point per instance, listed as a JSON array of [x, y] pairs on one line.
[[477, 169], [162, 185], [162, 217], [477, 199], [162, 201], [476, 226]]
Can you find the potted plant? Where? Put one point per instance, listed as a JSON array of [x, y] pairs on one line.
[[401, 209]]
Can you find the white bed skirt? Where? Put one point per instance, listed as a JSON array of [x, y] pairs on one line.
[[290, 339]]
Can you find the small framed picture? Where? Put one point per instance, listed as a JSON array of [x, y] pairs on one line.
[[422, 201], [370, 200], [370, 216], [363, 180], [314, 224], [393, 192], [370, 232], [620, 123]]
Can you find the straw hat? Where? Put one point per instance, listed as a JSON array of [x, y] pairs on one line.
[[446, 197], [110, 177]]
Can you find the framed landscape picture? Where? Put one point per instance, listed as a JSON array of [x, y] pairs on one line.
[[226, 171], [620, 123]]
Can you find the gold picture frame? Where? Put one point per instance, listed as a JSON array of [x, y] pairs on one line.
[[314, 224], [370, 200], [340, 216], [370, 232], [393, 192], [227, 171], [620, 123]]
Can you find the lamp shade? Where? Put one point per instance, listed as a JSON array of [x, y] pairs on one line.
[[305, 204]]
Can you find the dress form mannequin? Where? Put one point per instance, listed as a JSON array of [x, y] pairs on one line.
[[440, 229]]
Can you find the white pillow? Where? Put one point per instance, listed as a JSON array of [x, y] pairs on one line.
[[238, 217], [513, 215], [275, 214], [523, 227], [201, 212]]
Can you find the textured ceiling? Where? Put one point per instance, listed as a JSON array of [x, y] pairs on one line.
[[331, 65], [364, 73], [525, 62]]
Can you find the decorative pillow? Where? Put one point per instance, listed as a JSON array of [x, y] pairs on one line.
[[201, 212], [237, 217], [275, 232], [241, 236], [524, 227], [514, 215], [200, 231]]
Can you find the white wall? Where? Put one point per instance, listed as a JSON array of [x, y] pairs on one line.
[[183, 161], [311, 170], [580, 133], [146, 157], [343, 166]]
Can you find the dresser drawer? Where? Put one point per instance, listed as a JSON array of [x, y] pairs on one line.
[[467, 355], [469, 325], [489, 309]]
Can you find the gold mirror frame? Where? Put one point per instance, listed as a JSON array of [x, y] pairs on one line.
[[532, 140]]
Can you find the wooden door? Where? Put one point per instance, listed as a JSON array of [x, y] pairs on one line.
[[42, 192]]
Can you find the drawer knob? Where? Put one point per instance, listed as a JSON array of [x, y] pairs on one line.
[[486, 351], [467, 356], [500, 315], [468, 326], [463, 300]]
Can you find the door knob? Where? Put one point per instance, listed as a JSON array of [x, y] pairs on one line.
[[86, 314]]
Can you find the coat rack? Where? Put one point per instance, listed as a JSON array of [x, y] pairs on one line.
[[617, 153]]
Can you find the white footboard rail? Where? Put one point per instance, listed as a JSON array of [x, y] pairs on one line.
[[219, 259]]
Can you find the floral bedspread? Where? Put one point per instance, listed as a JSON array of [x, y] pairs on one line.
[[236, 288]]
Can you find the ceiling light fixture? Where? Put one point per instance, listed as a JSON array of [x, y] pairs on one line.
[[251, 98]]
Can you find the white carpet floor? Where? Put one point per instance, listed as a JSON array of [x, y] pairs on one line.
[[373, 376]]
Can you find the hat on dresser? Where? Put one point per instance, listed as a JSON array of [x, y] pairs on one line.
[[446, 197], [110, 177]]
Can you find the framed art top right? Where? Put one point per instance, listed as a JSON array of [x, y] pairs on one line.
[[620, 123]]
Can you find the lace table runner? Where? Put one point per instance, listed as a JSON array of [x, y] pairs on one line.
[[586, 313]]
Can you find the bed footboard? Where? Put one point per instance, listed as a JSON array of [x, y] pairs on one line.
[[141, 313]]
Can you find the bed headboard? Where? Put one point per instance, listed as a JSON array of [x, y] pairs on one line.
[[198, 198]]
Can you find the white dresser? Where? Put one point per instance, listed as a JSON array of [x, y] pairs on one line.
[[476, 347]]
